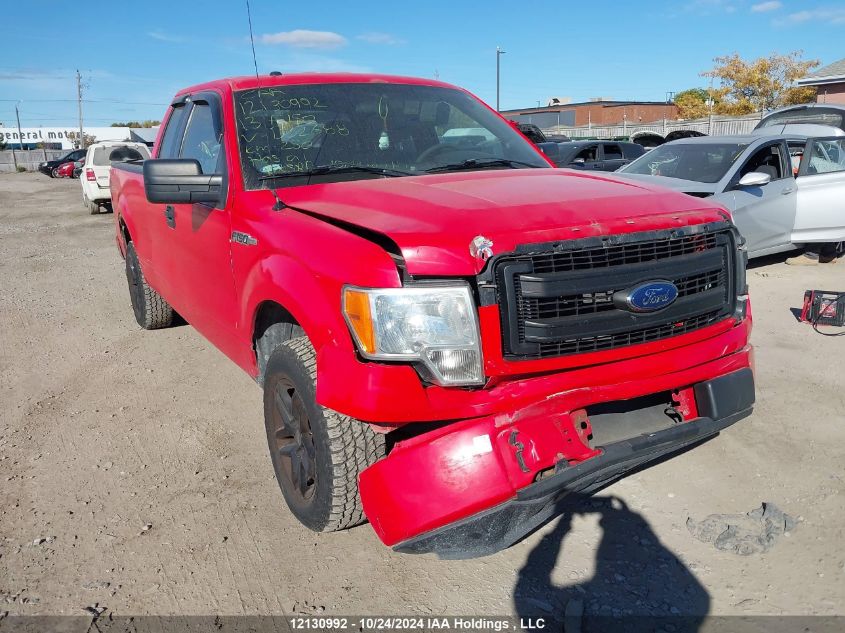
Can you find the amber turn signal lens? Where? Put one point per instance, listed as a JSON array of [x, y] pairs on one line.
[[356, 305]]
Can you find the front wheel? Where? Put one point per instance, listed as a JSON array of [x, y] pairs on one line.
[[55, 173], [317, 453]]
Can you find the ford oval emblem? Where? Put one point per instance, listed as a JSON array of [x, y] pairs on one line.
[[647, 297]]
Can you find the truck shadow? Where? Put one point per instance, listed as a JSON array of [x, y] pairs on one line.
[[638, 584]]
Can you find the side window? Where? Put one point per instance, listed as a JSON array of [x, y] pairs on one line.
[[767, 160], [796, 153], [589, 154], [169, 147], [612, 151], [202, 139], [827, 156]]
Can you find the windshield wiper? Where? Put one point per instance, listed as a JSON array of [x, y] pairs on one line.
[[330, 169], [481, 163]]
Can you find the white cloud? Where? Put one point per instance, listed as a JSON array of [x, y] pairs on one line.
[[164, 37], [763, 7], [829, 16], [302, 38], [374, 37]]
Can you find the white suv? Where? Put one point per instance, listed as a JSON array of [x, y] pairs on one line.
[[97, 166]]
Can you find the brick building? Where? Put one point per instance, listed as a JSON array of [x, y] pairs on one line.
[[604, 112], [829, 82]]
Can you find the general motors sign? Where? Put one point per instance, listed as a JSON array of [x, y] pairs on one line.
[[32, 136]]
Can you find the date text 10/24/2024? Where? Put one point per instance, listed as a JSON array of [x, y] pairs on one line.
[[451, 623]]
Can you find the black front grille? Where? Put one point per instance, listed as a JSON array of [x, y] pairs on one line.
[[558, 299]]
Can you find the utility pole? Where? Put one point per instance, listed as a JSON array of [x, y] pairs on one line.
[[20, 135], [79, 102], [710, 104], [499, 53]]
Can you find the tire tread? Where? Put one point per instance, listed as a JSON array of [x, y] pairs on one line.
[[155, 313], [353, 446]]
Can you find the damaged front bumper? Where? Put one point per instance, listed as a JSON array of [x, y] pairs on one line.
[[473, 490]]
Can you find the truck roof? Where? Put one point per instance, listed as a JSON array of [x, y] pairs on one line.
[[247, 82]]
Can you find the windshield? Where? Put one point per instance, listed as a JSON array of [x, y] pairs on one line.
[[103, 154], [349, 131], [701, 162]]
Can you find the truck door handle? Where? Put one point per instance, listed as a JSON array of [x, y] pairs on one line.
[[787, 190], [170, 216]]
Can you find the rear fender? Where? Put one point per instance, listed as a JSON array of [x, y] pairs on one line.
[[122, 216]]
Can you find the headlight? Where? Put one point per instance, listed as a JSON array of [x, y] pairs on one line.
[[433, 325]]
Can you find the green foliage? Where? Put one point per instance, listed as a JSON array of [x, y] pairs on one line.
[[21, 169], [692, 103], [136, 124]]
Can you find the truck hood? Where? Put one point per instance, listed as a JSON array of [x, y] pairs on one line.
[[433, 218]]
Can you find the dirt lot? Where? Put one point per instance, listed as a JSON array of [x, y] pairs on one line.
[[134, 472]]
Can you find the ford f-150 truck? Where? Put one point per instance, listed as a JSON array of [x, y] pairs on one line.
[[451, 336]]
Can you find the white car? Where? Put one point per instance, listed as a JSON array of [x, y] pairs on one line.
[[97, 166], [783, 191]]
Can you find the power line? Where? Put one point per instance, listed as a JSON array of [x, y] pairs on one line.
[[57, 118], [84, 101]]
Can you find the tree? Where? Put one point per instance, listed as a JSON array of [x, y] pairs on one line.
[[692, 103], [147, 123], [762, 84], [74, 138]]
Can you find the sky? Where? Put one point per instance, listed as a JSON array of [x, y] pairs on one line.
[[134, 56]]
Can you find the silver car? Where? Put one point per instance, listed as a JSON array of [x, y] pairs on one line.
[[783, 191]]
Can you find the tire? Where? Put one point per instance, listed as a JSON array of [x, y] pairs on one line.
[[151, 310], [272, 337], [93, 207], [54, 173], [327, 450]]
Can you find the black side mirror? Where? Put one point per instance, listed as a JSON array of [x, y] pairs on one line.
[[180, 181]]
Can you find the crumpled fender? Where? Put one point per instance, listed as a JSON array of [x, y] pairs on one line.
[[293, 268]]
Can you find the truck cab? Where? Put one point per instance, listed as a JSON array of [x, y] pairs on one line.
[[450, 335]]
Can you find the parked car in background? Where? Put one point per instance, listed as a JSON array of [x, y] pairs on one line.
[[450, 334], [49, 167], [96, 168], [593, 155], [650, 139], [783, 191], [534, 134], [66, 170], [808, 114]]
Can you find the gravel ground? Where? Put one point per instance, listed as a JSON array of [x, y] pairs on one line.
[[134, 473]]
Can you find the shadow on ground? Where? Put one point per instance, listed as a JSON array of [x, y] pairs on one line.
[[635, 575]]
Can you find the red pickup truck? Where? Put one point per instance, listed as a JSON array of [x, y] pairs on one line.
[[451, 335]]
